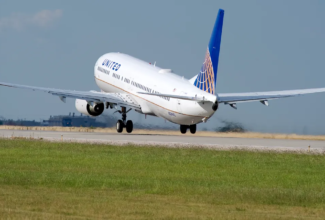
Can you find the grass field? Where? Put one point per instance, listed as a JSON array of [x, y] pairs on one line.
[[42, 180]]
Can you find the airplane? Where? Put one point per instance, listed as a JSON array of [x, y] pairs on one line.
[[128, 83]]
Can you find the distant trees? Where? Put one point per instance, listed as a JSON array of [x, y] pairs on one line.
[[230, 126], [1, 120]]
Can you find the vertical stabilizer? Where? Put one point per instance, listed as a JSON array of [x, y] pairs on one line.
[[207, 78]]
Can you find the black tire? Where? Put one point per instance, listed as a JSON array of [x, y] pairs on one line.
[[193, 129], [183, 129], [129, 126], [119, 126]]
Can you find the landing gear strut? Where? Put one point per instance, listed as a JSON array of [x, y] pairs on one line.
[[183, 128], [123, 123]]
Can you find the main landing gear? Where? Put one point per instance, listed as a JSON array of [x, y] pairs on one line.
[[183, 128], [128, 125]]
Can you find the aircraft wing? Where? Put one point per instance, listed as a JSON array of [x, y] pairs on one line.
[[189, 98], [120, 99], [231, 98]]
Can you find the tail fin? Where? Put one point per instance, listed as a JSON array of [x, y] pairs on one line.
[[207, 78]]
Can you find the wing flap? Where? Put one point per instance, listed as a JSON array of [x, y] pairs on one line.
[[92, 96]]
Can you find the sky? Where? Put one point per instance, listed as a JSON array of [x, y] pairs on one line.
[[266, 45]]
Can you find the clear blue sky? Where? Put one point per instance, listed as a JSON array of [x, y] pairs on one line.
[[266, 45]]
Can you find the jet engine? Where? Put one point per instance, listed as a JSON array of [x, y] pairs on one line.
[[92, 110]]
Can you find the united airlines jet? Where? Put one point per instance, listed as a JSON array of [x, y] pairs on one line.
[[128, 83]]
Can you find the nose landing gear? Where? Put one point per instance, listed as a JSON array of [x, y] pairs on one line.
[[123, 123], [183, 129]]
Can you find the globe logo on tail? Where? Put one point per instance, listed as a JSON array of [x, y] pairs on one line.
[[205, 79]]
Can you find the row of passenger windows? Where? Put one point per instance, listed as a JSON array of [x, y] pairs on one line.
[[103, 70], [138, 85]]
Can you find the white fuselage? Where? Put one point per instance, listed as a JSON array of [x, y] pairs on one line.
[[130, 75]]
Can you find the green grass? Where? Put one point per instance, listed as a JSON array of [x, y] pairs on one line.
[[80, 181]]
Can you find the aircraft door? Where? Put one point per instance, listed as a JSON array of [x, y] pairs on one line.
[[178, 105], [180, 102], [96, 72]]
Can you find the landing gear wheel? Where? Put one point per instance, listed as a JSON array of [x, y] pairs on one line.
[[119, 126], [193, 129], [183, 129], [129, 126], [123, 123]]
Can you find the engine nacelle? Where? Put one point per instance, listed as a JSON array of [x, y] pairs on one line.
[[83, 107]]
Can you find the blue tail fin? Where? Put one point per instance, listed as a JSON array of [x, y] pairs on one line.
[[207, 78]]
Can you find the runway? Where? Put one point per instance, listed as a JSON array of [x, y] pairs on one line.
[[171, 140]]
